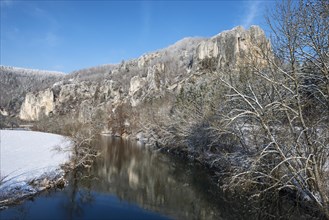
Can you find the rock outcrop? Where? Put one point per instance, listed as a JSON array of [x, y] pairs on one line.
[[37, 105], [133, 82], [230, 49], [16, 82]]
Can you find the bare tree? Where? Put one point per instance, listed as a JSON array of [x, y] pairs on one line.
[[292, 145]]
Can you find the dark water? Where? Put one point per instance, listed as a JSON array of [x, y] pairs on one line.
[[129, 182]]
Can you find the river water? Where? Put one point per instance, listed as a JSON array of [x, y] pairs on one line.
[[130, 182]]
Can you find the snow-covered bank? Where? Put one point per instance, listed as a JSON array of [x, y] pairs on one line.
[[28, 156]]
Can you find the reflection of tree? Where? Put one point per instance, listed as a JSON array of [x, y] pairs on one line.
[[20, 212], [166, 184], [154, 181], [77, 198]]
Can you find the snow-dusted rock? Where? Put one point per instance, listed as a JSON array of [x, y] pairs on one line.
[[86, 92], [233, 47], [37, 105], [136, 83]]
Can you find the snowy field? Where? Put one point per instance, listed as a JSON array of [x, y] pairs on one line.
[[27, 156]]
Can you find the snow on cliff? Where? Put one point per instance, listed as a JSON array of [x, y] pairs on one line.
[[27, 156]]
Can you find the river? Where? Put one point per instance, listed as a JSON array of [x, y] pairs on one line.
[[128, 181]]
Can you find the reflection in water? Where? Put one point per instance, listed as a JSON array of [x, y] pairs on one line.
[[154, 181], [129, 182]]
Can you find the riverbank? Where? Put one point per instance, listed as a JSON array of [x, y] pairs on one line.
[[30, 163]]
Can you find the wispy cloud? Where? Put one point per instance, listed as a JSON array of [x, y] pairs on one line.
[[146, 18], [252, 12]]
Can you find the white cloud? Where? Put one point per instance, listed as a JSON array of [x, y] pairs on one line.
[[252, 12]]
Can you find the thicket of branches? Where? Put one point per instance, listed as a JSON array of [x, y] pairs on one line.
[[286, 106], [82, 133]]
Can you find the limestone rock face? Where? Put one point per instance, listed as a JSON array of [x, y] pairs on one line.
[[71, 92], [207, 49], [16, 82], [147, 59], [234, 47], [148, 77], [80, 98], [136, 89], [136, 83], [153, 76], [37, 105], [110, 90]]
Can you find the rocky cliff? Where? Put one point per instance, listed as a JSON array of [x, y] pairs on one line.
[[37, 104], [134, 82], [17, 82], [230, 49]]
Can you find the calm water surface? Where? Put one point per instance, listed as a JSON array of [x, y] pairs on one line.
[[129, 182]]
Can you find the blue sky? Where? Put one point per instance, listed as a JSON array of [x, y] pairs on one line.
[[70, 35]]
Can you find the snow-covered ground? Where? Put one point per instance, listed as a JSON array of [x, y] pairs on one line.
[[26, 156]]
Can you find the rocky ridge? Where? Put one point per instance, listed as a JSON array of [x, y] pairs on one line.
[[186, 63]]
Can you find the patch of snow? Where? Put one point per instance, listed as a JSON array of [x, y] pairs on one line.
[[3, 112], [28, 155], [59, 83]]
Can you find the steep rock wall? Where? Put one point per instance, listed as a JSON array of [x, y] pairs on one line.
[[148, 77], [36, 105], [234, 48]]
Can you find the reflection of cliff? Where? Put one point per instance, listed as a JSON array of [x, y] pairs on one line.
[[151, 181]]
